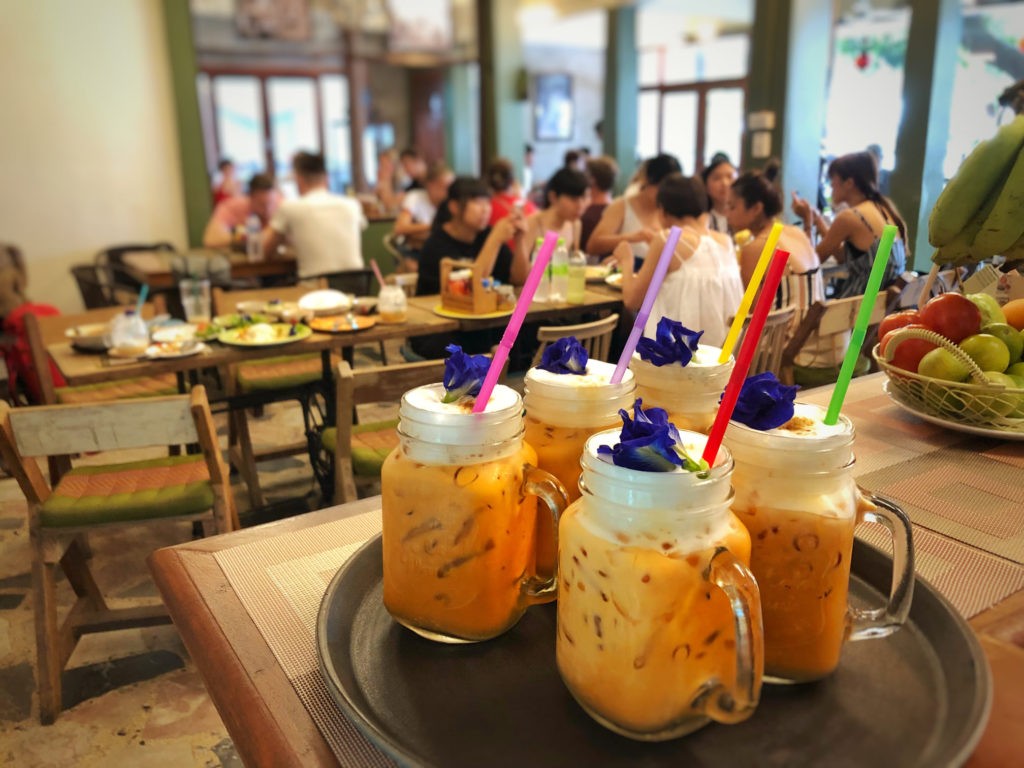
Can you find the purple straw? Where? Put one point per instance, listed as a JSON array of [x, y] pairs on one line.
[[645, 309]]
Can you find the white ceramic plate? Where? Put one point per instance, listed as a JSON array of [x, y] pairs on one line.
[[614, 281], [325, 302], [170, 350], [971, 429], [174, 333]]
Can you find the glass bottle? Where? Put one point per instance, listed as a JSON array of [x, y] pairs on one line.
[[796, 495], [543, 292], [577, 278], [459, 507], [659, 627], [560, 272]]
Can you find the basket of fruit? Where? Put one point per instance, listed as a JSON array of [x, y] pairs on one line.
[[956, 361]]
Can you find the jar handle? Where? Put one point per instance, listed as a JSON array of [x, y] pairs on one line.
[[720, 704], [880, 622], [547, 488]]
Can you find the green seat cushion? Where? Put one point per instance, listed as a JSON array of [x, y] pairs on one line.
[[279, 372], [371, 444], [808, 377], [135, 490], [145, 386]]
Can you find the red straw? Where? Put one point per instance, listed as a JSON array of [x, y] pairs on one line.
[[746, 354], [516, 321], [376, 272]]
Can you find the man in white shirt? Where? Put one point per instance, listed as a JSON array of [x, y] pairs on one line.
[[323, 228]]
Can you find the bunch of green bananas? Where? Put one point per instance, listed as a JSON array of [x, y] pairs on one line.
[[980, 213]]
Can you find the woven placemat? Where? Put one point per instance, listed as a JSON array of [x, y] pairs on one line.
[[280, 581], [971, 580]]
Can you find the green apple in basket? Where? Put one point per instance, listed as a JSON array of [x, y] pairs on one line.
[[943, 366], [990, 310], [1018, 382], [1010, 336], [996, 404], [988, 351]]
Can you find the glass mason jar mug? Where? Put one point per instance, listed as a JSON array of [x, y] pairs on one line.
[[562, 411], [659, 625], [796, 495], [459, 504], [689, 393]]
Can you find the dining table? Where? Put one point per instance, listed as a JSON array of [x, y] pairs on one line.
[[595, 304], [246, 603], [153, 268]]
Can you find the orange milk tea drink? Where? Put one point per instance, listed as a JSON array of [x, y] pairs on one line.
[[659, 627], [562, 411], [796, 495], [685, 379], [459, 513]]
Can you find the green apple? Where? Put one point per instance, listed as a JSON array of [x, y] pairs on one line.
[[991, 406], [941, 364], [1018, 382], [991, 312], [989, 352], [1017, 369], [1010, 336]]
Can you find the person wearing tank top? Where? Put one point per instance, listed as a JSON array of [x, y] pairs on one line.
[[702, 287], [854, 235], [633, 219]]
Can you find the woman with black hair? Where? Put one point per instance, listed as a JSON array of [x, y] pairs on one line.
[[633, 219], [718, 177], [853, 236], [566, 195]]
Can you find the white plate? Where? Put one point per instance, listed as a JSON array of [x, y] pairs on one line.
[[970, 429], [596, 273], [176, 332], [614, 281], [325, 302], [169, 351]]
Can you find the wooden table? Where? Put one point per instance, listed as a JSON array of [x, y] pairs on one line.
[[82, 368], [154, 269], [271, 726], [594, 302]]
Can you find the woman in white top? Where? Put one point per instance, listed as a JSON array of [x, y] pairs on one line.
[[718, 176], [633, 219], [566, 195], [702, 287]]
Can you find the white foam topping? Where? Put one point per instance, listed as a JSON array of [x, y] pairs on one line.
[[704, 357], [599, 374], [808, 424], [429, 398]]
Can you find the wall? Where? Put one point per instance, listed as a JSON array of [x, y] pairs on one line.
[[586, 67], [89, 149]]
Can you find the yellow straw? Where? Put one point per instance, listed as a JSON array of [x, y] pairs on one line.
[[748, 296]]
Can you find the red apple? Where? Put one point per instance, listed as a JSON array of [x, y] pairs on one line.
[[953, 315], [908, 352]]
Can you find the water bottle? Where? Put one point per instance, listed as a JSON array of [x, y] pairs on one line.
[[577, 277], [128, 333], [560, 272], [544, 286], [253, 238]]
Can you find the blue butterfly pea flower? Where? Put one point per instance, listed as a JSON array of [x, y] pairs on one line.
[[463, 374], [566, 355], [764, 402], [673, 342], [650, 442]]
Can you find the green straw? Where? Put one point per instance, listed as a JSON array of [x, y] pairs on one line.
[[860, 328]]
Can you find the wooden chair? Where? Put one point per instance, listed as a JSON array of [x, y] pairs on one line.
[[356, 452], [265, 376], [596, 337], [105, 498], [768, 355], [829, 321], [41, 331]]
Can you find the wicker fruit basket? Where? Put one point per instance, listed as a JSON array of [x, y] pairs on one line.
[[976, 403]]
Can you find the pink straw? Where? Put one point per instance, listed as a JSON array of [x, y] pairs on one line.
[[516, 321], [645, 309], [746, 355], [376, 272]]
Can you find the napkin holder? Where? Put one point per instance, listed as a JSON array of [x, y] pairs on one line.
[[464, 292]]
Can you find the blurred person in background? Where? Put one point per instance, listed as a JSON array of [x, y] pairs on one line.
[[702, 287], [226, 227], [323, 228], [505, 197], [226, 185], [566, 196], [718, 177], [875, 150], [854, 234], [419, 209], [633, 219], [601, 173]]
